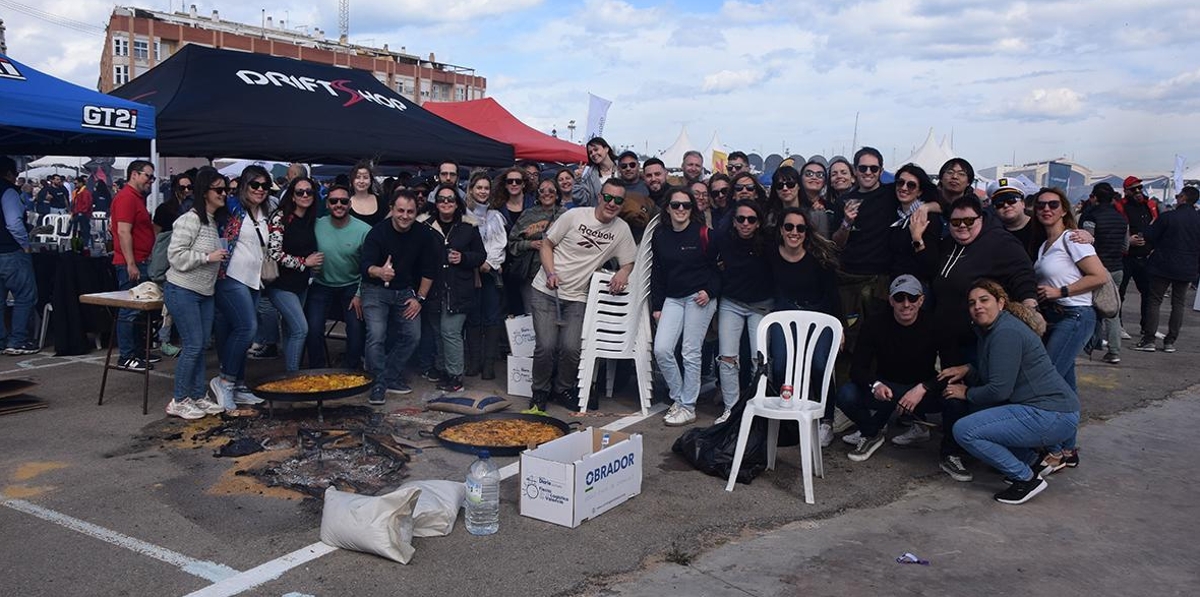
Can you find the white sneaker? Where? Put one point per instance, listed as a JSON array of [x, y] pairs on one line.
[[826, 434], [724, 417], [852, 438], [670, 411], [840, 421], [915, 435], [222, 393], [682, 416], [1125, 335], [184, 409], [208, 406], [243, 395]]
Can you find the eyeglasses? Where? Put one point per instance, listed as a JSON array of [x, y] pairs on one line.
[[303, 192], [1132, 190], [910, 185], [547, 191], [954, 173], [790, 227], [721, 192], [612, 198], [628, 165], [1006, 201], [865, 168], [814, 174], [746, 219], [185, 187], [445, 199], [148, 175], [680, 205], [791, 184], [966, 222], [734, 167], [339, 201], [743, 187], [514, 181], [258, 185], [904, 297], [1051, 205], [219, 190]]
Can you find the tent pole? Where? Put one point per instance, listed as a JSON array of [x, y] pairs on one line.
[[154, 198]]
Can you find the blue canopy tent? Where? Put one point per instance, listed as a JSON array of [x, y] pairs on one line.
[[42, 115]]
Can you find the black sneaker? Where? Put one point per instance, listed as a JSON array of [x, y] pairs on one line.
[[154, 357], [1021, 491], [265, 352], [432, 374], [378, 396], [22, 349], [133, 364], [866, 447], [452, 383], [400, 387], [1143, 346], [1071, 457], [953, 465]]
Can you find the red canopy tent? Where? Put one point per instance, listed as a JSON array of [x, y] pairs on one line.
[[488, 118]]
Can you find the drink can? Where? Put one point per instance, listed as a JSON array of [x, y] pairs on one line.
[[785, 396]]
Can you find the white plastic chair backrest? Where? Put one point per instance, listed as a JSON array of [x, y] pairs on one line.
[[99, 215], [803, 332], [611, 320], [63, 226]]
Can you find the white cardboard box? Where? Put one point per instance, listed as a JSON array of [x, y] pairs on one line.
[[521, 337], [520, 376], [572, 479]]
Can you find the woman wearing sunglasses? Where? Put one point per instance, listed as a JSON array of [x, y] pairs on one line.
[[804, 268], [913, 190], [747, 291], [525, 238], [239, 284], [745, 187], [178, 202], [508, 198], [195, 253], [1067, 273], [816, 198], [602, 165], [293, 244], [783, 194], [719, 198], [683, 294], [699, 191]]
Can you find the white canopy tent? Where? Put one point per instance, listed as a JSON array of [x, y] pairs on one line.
[[713, 145], [930, 156], [673, 155]]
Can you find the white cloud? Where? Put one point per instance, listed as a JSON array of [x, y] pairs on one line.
[[729, 80], [1044, 104]]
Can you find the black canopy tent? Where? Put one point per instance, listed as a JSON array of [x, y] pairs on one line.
[[214, 103]]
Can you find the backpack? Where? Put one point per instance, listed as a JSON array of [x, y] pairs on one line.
[[158, 258]]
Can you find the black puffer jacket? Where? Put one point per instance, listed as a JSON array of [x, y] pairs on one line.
[[456, 285], [1111, 232]]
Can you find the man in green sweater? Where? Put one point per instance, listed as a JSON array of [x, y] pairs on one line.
[[333, 293]]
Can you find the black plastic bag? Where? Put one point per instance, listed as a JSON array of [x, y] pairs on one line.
[[711, 450]]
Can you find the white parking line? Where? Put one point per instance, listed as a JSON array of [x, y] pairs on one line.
[[210, 571], [264, 573]]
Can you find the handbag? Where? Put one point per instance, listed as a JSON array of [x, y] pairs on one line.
[[269, 270], [1105, 299]]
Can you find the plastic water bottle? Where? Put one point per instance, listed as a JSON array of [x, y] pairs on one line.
[[483, 496]]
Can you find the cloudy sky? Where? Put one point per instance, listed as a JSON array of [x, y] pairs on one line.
[[1108, 84]]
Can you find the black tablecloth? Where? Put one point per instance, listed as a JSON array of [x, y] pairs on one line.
[[61, 278]]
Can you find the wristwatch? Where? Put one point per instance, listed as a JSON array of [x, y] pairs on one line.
[[1065, 292], [420, 299], [876, 385]]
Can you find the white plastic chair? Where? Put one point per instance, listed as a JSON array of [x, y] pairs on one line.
[[617, 326], [802, 330]]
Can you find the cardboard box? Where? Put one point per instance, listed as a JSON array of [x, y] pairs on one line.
[[521, 337], [520, 376], [571, 479]]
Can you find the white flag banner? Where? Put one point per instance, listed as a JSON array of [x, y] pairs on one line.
[[597, 115], [1177, 176]]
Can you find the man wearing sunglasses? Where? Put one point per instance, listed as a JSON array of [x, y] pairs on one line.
[[893, 368], [580, 242], [630, 173], [1139, 210], [1008, 201], [340, 238], [736, 163], [134, 234]]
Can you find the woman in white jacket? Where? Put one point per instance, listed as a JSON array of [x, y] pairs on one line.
[[195, 254]]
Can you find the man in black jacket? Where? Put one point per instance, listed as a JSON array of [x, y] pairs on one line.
[[1139, 210], [1111, 232], [1175, 236]]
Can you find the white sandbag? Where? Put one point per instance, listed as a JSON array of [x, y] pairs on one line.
[[438, 506], [382, 525]]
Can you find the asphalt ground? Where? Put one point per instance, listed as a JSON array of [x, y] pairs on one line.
[[98, 502]]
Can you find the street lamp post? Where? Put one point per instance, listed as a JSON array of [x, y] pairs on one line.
[[571, 127]]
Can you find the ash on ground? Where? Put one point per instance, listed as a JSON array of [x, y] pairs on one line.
[[354, 449]]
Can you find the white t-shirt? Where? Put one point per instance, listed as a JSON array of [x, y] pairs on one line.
[[1056, 267], [245, 265], [581, 246]]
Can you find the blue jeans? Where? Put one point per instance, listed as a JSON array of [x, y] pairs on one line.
[[193, 313], [778, 359], [869, 413], [16, 276], [1109, 328], [1067, 331], [268, 321], [236, 323], [1007, 436], [682, 317], [450, 342], [291, 308], [126, 343], [733, 318], [319, 306], [383, 311]]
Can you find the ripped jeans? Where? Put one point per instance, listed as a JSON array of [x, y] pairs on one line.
[[733, 318]]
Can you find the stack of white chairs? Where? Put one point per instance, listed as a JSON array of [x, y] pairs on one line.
[[617, 326]]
